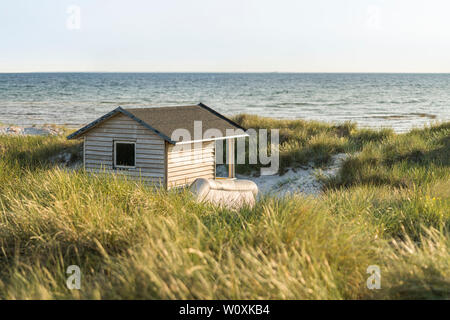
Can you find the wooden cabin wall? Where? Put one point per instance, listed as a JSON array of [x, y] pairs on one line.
[[150, 149], [183, 166]]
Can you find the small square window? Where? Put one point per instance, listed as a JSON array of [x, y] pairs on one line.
[[124, 154]]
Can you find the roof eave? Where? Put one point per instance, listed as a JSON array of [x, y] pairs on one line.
[[204, 106], [93, 124], [244, 135], [145, 124], [107, 116]]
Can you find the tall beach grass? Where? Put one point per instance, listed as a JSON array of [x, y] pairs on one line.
[[389, 206]]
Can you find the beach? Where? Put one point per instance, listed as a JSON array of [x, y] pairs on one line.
[[347, 198]]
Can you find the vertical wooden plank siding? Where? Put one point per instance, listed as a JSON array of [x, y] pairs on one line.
[[194, 161], [150, 149]]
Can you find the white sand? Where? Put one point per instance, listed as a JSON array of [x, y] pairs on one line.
[[295, 180], [37, 131]]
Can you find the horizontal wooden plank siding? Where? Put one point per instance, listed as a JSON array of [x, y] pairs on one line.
[[190, 162], [157, 182], [150, 149]]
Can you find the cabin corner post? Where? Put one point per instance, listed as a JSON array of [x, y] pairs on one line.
[[166, 165], [230, 157]]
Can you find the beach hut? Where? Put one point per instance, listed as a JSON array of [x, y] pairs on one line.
[[166, 146]]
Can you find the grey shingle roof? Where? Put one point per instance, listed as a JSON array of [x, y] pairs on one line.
[[164, 120]]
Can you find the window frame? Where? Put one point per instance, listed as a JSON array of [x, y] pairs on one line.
[[115, 154]]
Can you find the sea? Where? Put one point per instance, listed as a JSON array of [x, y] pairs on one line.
[[398, 101]]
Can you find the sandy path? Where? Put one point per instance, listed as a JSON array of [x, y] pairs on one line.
[[304, 180]]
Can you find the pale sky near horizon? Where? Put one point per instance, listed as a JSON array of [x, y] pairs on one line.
[[225, 36]]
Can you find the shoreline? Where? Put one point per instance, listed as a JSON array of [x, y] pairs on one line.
[[36, 130], [56, 129]]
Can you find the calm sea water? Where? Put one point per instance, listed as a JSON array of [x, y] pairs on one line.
[[400, 101]]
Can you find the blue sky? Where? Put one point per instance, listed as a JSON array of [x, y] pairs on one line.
[[225, 36]]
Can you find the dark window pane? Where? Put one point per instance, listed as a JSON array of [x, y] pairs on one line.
[[125, 154]]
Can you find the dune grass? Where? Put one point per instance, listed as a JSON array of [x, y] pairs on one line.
[[310, 142], [405, 160], [135, 242]]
